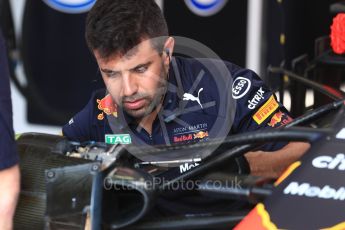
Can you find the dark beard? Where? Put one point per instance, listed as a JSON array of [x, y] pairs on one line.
[[153, 102]]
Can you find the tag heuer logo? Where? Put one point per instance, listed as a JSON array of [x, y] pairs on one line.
[[118, 139]]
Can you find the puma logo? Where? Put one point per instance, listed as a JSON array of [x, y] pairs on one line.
[[190, 97]]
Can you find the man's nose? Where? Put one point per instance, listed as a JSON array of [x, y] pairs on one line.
[[129, 85]]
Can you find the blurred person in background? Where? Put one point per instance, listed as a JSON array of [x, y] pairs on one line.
[[9, 169]]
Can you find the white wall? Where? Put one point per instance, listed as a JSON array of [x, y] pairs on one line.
[[254, 35]]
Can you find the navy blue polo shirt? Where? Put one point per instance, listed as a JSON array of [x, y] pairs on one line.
[[8, 152], [205, 99]]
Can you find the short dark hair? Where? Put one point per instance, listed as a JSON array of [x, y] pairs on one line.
[[116, 26]]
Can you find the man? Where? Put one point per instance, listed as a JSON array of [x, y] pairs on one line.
[[130, 42], [9, 170]]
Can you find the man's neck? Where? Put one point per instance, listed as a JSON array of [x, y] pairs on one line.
[[147, 122]]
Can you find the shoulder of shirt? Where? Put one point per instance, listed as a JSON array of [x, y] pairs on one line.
[[197, 63], [93, 105], [99, 93], [96, 95]]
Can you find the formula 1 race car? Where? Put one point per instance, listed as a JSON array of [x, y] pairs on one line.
[[68, 185]]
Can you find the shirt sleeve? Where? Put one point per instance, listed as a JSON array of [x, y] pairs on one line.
[[89, 123], [257, 107], [79, 127], [8, 151]]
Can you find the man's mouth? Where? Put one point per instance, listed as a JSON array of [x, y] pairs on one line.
[[134, 105]]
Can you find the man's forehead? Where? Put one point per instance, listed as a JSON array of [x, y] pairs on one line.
[[140, 54], [144, 45]]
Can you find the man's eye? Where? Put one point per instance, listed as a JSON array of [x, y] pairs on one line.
[[141, 69], [112, 74]]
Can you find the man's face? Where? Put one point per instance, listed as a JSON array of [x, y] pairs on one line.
[[137, 81]]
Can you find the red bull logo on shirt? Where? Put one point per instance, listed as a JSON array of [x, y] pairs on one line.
[[191, 136], [107, 106], [200, 135], [279, 119], [182, 138]]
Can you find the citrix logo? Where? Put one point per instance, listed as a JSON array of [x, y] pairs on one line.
[[256, 99], [329, 162]]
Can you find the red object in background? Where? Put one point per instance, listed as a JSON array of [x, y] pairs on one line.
[[338, 34]]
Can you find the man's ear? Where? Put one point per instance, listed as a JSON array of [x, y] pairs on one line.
[[169, 46]]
